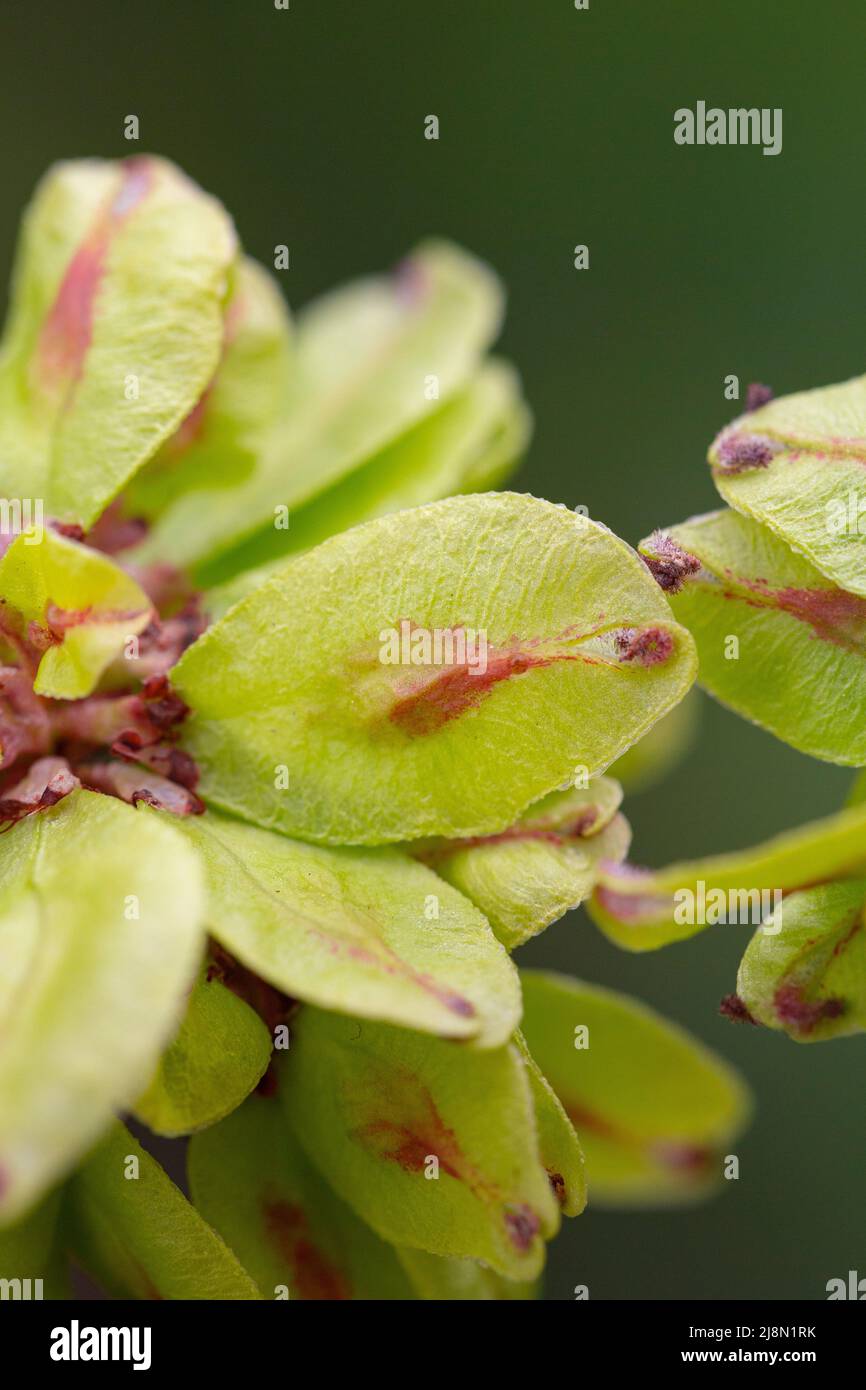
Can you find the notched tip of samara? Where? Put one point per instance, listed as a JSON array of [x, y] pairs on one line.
[[411, 282], [757, 394], [522, 1225], [458, 1005], [693, 1161], [668, 563], [733, 1008], [557, 1187], [735, 451], [646, 646]]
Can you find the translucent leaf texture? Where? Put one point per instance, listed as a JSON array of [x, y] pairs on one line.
[[799, 668], [137, 1234], [794, 466], [582, 657], [546, 863], [377, 1107], [653, 1108], [804, 971], [220, 441], [654, 756], [115, 329], [218, 1056], [639, 908], [467, 445], [366, 932], [97, 951], [252, 1182], [73, 604], [370, 359]]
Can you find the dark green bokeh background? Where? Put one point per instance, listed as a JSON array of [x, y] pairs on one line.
[[557, 128]]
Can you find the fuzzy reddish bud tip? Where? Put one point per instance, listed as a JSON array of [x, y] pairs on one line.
[[669, 564], [736, 453], [733, 1008], [757, 395], [688, 1159], [523, 1225], [411, 282], [648, 646]]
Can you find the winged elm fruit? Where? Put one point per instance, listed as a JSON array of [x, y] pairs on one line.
[[791, 463], [749, 587]]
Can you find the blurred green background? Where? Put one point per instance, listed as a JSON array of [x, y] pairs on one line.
[[557, 129]]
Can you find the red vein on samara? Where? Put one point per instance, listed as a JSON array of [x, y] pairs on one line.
[[444, 694], [68, 329]]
